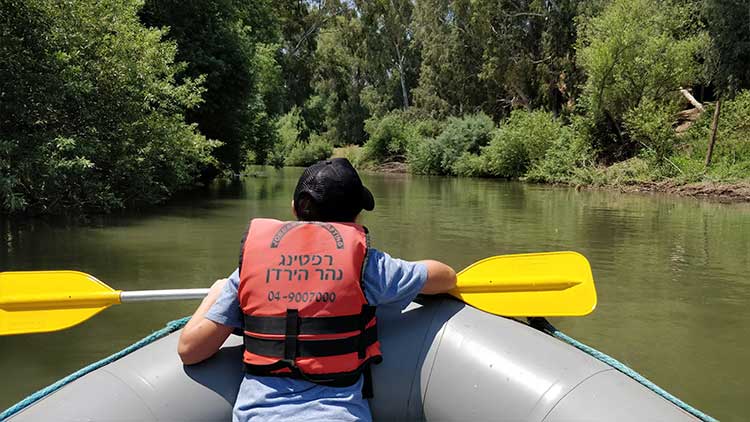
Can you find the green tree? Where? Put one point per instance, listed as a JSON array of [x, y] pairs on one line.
[[221, 40], [340, 79], [729, 25], [636, 50], [391, 54], [91, 116], [452, 58], [300, 23], [497, 55]]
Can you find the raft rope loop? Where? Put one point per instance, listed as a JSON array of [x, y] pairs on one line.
[[543, 325], [171, 327]]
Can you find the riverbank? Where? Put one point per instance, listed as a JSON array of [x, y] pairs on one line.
[[727, 192], [722, 192]]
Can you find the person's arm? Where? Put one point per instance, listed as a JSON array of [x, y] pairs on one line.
[[440, 277], [201, 337]]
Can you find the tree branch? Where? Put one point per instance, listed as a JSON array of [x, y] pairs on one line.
[[692, 99]]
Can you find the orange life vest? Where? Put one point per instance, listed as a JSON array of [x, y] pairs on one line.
[[305, 311]]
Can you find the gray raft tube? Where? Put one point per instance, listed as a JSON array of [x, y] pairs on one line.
[[443, 361]]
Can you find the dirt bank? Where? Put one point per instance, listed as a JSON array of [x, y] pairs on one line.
[[392, 167], [723, 192]]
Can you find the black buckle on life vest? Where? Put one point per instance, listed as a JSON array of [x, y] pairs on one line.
[[290, 335]]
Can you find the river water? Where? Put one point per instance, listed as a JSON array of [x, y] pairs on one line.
[[671, 273]]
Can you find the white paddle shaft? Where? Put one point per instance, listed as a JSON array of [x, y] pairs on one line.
[[154, 295]]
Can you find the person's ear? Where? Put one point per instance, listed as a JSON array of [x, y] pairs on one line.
[[294, 211]]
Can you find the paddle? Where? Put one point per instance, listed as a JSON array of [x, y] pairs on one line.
[[547, 284], [543, 284]]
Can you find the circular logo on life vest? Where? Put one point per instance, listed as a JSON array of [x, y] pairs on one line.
[[286, 228]]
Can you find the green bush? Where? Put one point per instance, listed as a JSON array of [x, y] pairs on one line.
[[276, 158], [633, 52], [563, 162], [464, 135], [289, 126], [650, 124], [353, 153], [731, 155], [92, 115], [389, 138], [426, 156], [307, 153], [461, 136], [632, 171], [292, 149], [469, 165], [519, 143]]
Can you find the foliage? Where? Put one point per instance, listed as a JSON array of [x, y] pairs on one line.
[[469, 165], [731, 155], [293, 149], [521, 142], [730, 53], [465, 135], [92, 117], [299, 23], [239, 72], [95, 104], [449, 81], [650, 124], [628, 172], [353, 153], [288, 126], [338, 81], [567, 158], [635, 51], [390, 54], [496, 55], [307, 153], [458, 143], [426, 157], [389, 138]]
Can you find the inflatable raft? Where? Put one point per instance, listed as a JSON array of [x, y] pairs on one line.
[[444, 360]]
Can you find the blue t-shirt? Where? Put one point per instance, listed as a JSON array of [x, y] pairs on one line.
[[388, 281]]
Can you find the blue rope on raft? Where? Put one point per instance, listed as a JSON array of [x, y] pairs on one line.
[[544, 325], [171, 327]]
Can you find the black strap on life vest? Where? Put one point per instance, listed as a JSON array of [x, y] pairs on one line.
[[318, 325], [291, 334], [292, 347]]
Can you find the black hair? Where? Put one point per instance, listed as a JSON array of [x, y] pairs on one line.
[[308, 209]]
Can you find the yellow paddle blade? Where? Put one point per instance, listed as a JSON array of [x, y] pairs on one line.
[[539, 284], [41, 301]]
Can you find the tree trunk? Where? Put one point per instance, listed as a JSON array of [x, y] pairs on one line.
[[401, 76], [403, 90], [714, 127]]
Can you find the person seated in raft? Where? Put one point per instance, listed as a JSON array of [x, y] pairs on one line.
[[311, 279]]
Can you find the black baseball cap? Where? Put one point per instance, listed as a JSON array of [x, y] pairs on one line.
[[336, 189]]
